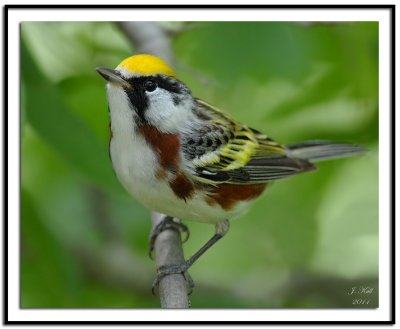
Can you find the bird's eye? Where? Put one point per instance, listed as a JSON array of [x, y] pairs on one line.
[[150, 85]]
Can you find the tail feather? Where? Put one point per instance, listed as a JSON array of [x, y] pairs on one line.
[[315, 151]]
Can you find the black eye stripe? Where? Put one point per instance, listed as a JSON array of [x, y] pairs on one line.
[[168, 84]]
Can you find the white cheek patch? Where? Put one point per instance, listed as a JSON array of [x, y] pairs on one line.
[[160, 106], [165, 114]]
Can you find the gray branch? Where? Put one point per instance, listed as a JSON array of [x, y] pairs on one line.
[[148, 38], [151, 38], [168, 249]]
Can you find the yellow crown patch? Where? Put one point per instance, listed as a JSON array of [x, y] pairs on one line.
[[146, 65]]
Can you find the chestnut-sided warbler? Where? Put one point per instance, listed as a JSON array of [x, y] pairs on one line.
[[182, 157]]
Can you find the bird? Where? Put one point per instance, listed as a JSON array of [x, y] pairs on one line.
[[180, 156]]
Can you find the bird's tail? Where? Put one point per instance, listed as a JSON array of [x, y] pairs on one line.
[[315, 151]]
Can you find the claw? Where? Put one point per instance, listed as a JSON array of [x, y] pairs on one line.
[[185, 230], [165, 270], [220, 230], [167, 223]]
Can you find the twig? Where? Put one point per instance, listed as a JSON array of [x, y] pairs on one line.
[[151, 38], [168, 249], [148, 38]]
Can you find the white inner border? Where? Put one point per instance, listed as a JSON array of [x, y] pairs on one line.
[[20, 15]]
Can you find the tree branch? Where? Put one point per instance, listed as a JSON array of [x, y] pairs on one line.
[[150, 38], [168, 249]]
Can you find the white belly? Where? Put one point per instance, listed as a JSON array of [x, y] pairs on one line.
[[135, 165]]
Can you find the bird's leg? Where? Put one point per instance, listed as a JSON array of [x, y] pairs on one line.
[[220, 230], [167, 222]]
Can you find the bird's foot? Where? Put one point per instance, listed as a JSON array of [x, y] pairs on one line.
[[167, 223], [165, 270]]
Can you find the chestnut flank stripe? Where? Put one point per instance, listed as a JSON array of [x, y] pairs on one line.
[[227, 195], [167, 148]]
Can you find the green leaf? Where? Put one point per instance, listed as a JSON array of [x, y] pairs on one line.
[[348, 221], [65, 49], [86, 97], [247, 49], [45, 264], [49, 115]]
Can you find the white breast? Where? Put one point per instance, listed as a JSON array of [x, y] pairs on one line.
[[133, 160]]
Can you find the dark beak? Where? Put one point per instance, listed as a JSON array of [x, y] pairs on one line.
[[112, 76]]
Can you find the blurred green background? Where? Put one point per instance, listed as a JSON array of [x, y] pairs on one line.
[[306, 243]]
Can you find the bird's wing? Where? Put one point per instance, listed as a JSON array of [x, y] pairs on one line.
[[225, 151]]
